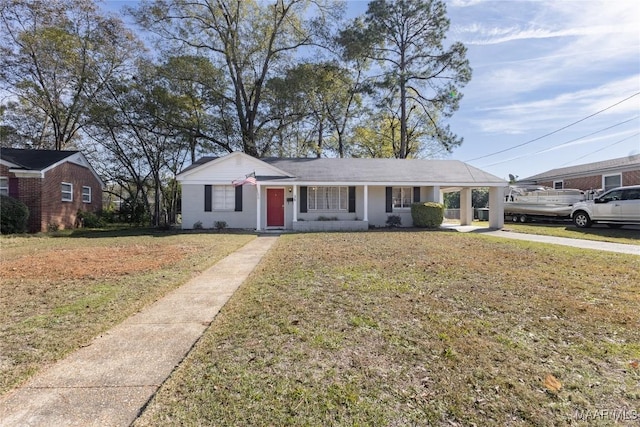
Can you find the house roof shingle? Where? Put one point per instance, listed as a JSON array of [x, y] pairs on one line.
[[198, 162], [382, 170], [35, 160], [359, 170]]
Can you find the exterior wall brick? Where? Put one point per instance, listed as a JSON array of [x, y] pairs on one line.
[[631, 178], [65, 214], [584, 183], [28, 192], [595, 181], [43, 197]]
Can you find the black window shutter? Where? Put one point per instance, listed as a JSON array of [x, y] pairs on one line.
[[352, 199], [416, 194], [14, 188], [239, 198], [389, 199], [303, 199], [208, 192]]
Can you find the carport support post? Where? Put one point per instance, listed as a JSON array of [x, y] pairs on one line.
[[496, 207], [466, 210], [365, 217]]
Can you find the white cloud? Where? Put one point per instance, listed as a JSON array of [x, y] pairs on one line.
[[560, 109], [487, 36], [618, 137], [464, 3], [520, 49]]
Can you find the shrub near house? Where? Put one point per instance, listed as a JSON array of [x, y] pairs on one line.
[[427, 215], [13, 215]]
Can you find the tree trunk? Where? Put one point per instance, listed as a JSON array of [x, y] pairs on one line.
[[320, 130], [403, 107]]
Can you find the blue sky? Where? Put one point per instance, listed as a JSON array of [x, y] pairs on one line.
[[538, 67]]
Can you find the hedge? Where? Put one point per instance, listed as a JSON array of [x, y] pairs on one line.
[[427, 215], [13, 215]]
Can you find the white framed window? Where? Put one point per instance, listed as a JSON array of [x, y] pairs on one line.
[[67, 192], [611, 181], [327, 198], [558, 185], [402, 197], [4, 185], [224, 197], [86, 194]]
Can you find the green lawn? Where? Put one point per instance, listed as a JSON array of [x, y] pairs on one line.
[[57, 293], [416, 328]]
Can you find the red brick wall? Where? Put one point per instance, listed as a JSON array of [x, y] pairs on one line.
[[43, 197], [28, 192], [595, 181], [631, 178], [64, 214], [584, 183]]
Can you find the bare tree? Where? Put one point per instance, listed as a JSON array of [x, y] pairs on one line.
[[55, 57], [249, 38]]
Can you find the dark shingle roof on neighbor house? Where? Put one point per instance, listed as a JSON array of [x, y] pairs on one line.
[[35, 160], [622, 163]]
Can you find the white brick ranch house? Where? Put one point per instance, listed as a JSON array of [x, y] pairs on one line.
[[311, 194]]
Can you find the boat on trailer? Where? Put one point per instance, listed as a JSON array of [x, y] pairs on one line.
[[526, 203]]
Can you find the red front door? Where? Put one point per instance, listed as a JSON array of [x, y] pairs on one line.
[[275, 207]]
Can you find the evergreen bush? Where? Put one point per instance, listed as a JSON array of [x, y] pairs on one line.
[[394, 221], [13, 215], [427, 215]]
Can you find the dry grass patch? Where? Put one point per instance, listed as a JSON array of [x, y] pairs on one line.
[[599, 232], [415, 328], [56, 294]]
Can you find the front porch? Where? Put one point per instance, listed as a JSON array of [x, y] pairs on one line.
[[347, 207]]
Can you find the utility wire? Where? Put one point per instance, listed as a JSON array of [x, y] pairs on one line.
[[600, 149], [555, 131], [559, 145]]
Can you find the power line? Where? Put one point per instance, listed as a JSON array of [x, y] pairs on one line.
[[555, 131], [600, 149], [561, 144]]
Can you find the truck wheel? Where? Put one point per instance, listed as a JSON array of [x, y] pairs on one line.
[[514, 218], [523, 218], [581, 219]]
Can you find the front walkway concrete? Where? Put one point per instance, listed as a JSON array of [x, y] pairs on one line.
[[577, 243], [111, 380]]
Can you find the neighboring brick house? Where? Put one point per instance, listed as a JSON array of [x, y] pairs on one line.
[[54, 185], [602, 175]]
